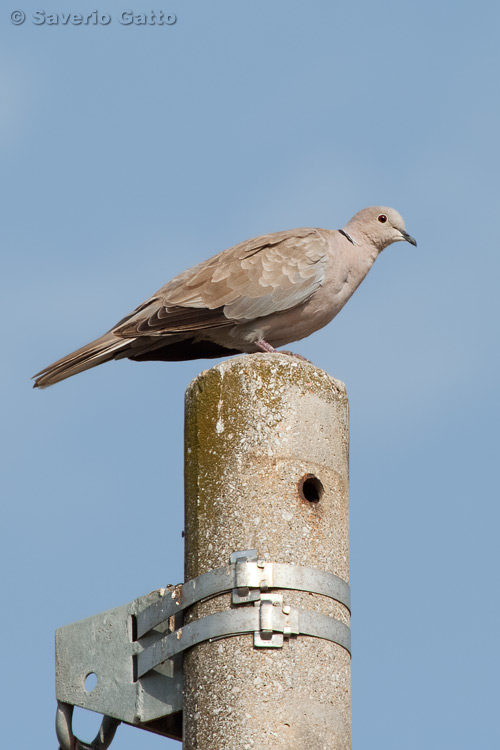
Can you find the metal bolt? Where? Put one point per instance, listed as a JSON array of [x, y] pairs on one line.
[[261, 563], [286, 609]]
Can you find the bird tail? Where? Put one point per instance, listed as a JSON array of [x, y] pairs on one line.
[[101, 350]]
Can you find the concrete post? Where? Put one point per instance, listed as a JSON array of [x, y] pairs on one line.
[[267, 468]]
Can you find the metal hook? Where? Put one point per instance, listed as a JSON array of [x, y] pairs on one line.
[[68, 741]]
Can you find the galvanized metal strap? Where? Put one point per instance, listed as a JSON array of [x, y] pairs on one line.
[[247, 578], [68, 741], [239, 621]]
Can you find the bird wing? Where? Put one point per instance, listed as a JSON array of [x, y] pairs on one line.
[[265, 275]]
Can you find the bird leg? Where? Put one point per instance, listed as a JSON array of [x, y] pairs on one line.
[[293, 354], [265, 347]]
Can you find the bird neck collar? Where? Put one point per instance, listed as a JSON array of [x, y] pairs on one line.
[[347, 236]]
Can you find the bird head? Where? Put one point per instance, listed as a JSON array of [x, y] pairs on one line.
[[380, 225]]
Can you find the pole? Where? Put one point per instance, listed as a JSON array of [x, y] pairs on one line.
[[266, 468]]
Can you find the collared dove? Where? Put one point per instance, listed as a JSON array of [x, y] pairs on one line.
[[255, 296]]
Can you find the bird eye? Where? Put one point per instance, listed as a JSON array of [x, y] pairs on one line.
[[382, 218]]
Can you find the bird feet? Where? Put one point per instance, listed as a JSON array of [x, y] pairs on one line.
[[293, 354], [265, 347]]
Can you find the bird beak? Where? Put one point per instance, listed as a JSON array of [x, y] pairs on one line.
[[408, 238]]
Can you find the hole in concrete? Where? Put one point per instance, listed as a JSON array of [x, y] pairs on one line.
[[310, 488], [90, 681]]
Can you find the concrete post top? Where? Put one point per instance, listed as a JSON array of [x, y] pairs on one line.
[[277, 371]]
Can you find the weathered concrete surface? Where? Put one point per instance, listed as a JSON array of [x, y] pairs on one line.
[[255, 425]]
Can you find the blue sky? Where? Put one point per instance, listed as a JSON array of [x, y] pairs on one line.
[[129, 153]]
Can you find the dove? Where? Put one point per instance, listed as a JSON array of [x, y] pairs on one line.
[[254, 297]]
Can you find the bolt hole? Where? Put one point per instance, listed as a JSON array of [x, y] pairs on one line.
[[310, 488], [90, 682]]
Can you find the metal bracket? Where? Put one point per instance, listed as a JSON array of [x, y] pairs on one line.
[[104, 645], [136, 650]]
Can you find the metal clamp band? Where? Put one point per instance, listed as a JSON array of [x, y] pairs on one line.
[[260, 619], [241, 576]]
